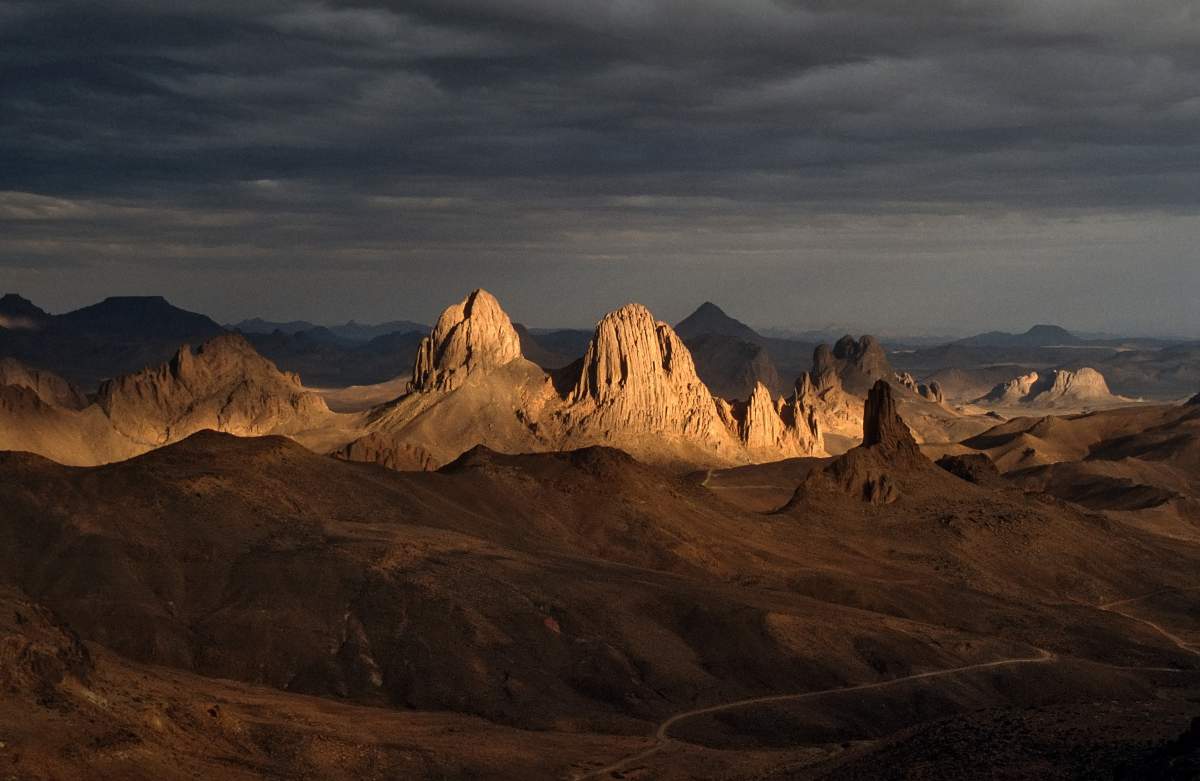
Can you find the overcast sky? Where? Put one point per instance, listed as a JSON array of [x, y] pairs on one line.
[[940, 166]]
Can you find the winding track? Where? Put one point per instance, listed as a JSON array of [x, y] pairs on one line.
[[662, 736], [1183, 645]]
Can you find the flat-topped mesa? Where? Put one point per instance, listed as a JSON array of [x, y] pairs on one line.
[[883, 428], [638, 375], [472, 335]]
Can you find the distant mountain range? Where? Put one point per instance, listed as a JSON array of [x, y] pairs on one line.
[[1037, 336], [351, 331]]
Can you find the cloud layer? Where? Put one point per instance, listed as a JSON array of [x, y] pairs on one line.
[[615, 148]]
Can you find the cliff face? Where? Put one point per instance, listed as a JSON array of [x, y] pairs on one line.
[[637, 375], [470, 336], [223, 385]]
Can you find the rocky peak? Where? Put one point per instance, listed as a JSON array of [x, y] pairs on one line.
[[882, 425], [472, 335], [709, 319]]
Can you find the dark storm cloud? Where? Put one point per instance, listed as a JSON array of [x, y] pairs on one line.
[[347, 135]]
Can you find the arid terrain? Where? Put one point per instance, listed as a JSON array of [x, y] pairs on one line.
[[540, 554]]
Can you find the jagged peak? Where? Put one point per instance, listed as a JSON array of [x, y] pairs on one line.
[[474, 334]]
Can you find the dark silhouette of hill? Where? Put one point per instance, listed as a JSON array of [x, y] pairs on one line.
[[1037, 336], [116, 336]]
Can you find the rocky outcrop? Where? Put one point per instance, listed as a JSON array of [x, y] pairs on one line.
[[1194, 401], [470, 336], [48, 387], [883, 427], [777, 428], [223, 385], [1084, 384], [874, 471], [821, 391], [973, 467], [931, 392], [638, 375], [1012, 392], [1059, 387], [825, 369], [862, 361], [377, 448]]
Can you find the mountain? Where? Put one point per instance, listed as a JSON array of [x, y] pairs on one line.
[[351, 332], [20, 314], [730, 357], [326, 360], [116, 336], [137, 317], [636, 388], [709, 319], [1037, 336], [360, 332], [222, 385], [860, 362], [731, 367], [256, 325], [534, 347]]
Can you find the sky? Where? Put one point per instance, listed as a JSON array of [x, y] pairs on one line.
[[939, 167]]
